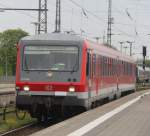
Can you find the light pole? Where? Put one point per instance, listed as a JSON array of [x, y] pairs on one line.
[[104, 37], [121, 46], [36, 24], [6, 65], [82, 31], [97, 39], [130, 43], [125, 49]]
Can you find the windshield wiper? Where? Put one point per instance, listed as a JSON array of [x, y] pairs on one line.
[[26, 65]]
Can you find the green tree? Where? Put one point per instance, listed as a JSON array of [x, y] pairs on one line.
[[0, 39], [8, 50], [147, 63]]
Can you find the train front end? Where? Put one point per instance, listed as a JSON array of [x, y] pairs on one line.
[[48, 73]]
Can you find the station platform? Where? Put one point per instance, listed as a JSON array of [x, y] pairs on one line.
[[7, 94], [127, 116], [7, 88]]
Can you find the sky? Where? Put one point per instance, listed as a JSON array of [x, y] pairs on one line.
[[131, 20]]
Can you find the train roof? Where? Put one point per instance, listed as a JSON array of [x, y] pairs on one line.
[[110, 52], [54, 37]]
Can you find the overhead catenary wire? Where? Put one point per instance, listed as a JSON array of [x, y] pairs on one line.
[[129, 25], [78, 5], [99, 18]]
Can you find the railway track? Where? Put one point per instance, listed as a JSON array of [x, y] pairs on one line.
[[22, 131], [36, 126], [31, 128]]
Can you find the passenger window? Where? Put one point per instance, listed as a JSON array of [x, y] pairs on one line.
[[94, 65]]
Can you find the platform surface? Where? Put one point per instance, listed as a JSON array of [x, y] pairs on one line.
[[7, 88], [134, 120]]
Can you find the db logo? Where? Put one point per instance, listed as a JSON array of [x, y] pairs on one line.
[[49, 88]]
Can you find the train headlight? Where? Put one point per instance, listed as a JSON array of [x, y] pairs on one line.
[[26, 88], [71, 89]]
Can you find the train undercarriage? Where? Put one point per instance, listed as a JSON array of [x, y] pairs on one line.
[[44, 108]]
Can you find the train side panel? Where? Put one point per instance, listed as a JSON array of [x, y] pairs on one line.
[[110, 75]]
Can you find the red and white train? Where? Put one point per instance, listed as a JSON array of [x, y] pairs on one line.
[[57, 70]]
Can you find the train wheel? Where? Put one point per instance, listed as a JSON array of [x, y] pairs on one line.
[[70, 111], [64, 112], [42, 117], [94, 105], [115, 97], [43, 114]]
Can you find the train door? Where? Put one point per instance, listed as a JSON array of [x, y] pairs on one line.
[[117, 73], [118, 78], [89, 72], [95, 73]]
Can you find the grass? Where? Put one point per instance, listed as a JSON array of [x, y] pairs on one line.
[[1, 71], [7, 110], [12, 122]]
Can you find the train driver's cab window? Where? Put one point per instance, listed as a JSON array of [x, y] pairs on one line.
[[54, 58]]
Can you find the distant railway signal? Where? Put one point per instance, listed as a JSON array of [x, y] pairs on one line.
[[144, 55], [144, 50]]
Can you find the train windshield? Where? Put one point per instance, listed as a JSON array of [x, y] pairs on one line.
[[54, 58]]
